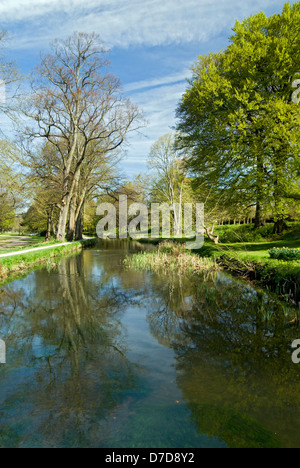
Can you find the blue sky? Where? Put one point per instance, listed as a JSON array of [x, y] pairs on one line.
[[153, 45]]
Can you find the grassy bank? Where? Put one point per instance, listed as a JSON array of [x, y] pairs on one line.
[[246, 233], [12, 267], [280, 277], [253, 262], [245, 252], [170, 257]]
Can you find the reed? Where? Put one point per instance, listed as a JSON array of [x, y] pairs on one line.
[[170, 257]]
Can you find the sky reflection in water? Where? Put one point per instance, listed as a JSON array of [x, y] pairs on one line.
[[103, 357]]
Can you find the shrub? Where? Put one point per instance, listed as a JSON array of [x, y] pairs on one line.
[[285, 254], [247, 233], [244, 233]]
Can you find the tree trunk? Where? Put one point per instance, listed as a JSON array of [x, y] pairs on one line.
[[73, 207], [259, 191], [53, 227], [258, 217], [279, 226], [210, 234], [71, 229], [62, 223], [79, 224], [49, 222], [64, 209], [48, 234], [279, 207]]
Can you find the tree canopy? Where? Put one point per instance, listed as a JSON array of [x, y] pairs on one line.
[[239, 119]]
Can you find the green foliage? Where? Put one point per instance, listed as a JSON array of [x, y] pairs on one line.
[[244, 233], [238, 118], [285, 254], [18, 264], [12, 189], [230, 234], [283, 278]]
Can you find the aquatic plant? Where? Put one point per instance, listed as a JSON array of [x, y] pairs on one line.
[[170, 257]]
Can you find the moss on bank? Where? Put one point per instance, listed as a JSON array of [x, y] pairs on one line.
[[19, 265]]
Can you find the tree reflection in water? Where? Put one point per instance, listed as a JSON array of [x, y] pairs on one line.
[[65, 333], [233, 358], [218, 370]]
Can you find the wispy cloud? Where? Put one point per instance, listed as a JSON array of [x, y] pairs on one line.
[[130, 24], [123, 23], [159, 105], [158, 82]]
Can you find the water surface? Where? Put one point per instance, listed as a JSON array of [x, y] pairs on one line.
[[98, 356]]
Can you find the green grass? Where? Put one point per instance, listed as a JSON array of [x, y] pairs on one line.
[[250, 250], [258, 250], [32, 242], [6, 237], [18, 265], [247, 233], [252, 261]]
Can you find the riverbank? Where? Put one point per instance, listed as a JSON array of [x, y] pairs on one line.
[[251, 261], [246, 252], [18, 263], [282, 278]]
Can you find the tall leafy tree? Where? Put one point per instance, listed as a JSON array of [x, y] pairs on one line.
[[238, 116]]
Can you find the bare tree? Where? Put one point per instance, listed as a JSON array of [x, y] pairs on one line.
[[9, 79], [75, 104], [169, 184], [13, 190]]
